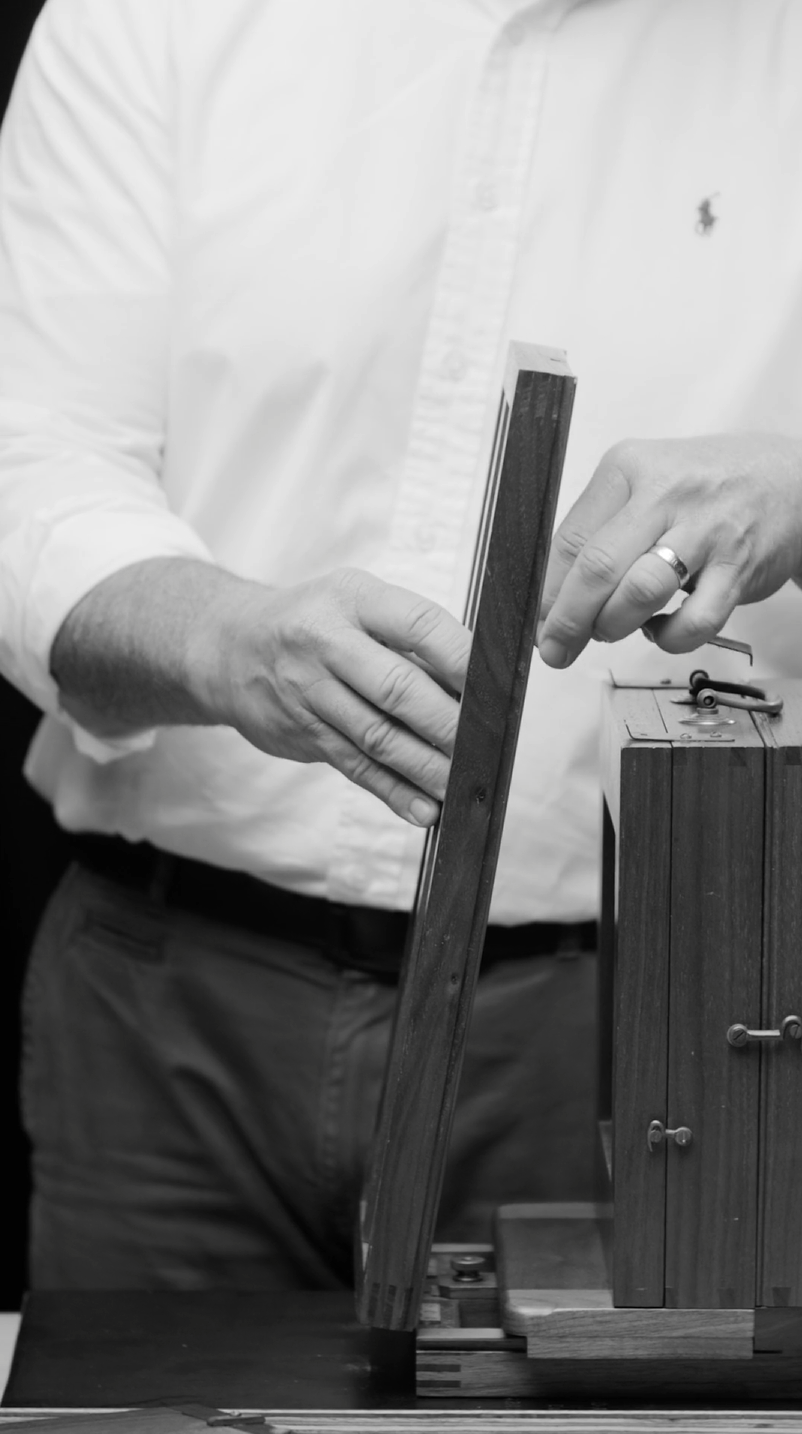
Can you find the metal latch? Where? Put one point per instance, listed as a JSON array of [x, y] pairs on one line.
[[657, 1133], [706, 694], [789, 1029]]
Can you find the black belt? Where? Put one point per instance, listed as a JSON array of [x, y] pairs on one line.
[[364, 937]]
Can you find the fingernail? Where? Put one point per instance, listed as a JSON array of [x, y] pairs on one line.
[[553, 653], [423, 813]]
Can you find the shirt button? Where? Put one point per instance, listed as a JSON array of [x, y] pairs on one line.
[[485, 195], [454, 365]]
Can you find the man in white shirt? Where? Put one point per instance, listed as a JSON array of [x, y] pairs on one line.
[[259, 268]]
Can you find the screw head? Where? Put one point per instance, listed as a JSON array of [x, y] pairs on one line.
[[468, 1269]]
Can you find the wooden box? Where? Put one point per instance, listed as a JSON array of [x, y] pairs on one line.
[[702, 944], [686, 1272], [686, 1276]]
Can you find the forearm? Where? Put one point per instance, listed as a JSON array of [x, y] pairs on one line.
[[333, 670], [135, 652]]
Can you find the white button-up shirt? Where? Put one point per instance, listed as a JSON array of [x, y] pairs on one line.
[[259, 265]]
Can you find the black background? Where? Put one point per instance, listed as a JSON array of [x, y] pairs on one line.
[[32, 855]]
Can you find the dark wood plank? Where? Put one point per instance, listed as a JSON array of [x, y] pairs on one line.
[[675, 1384], [715, 966], [605, 990], [779, 1280], [637, 780], [778, 1331], [438, 979], [605, 987]]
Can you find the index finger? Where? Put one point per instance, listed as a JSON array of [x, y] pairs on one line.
[[595, 576], [606, 494]]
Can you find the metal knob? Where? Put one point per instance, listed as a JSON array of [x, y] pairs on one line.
[[789, 1029], [682, 1135], [468, 1269]]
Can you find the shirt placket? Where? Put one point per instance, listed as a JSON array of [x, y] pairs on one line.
[[375, 855]]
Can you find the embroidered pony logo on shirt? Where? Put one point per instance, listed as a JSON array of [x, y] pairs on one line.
[[706, 219]]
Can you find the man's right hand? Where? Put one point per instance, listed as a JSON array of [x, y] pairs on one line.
[[345, 669]]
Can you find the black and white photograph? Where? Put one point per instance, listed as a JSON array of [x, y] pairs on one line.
[[401, 713]]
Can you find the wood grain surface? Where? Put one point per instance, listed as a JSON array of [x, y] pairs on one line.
[[549, 1256], [715, 979], [764, 1379], [539, 1422], [510, 1421], [438, 979], [668, 1334], [779, 1278], [554, 1289], [637, 783]]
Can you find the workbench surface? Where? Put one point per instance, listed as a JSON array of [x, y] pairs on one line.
[[249, 1350]]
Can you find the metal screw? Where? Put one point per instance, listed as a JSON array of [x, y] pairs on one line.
[[682, 1135]]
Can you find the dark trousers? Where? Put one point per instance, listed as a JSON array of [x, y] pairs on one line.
[[200, 1099]]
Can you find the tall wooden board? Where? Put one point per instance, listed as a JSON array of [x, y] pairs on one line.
[[642, 821], [406, 1164], [716, 941], [779, 1280]]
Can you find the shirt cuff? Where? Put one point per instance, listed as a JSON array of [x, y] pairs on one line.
[[106, 749], [71, 559]]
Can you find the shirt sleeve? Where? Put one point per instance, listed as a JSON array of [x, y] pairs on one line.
[[86, 204]]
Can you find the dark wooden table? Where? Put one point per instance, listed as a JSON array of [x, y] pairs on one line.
[[246, 1350], [249, 1350]]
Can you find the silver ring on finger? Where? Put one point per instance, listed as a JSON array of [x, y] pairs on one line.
[[678, 568]]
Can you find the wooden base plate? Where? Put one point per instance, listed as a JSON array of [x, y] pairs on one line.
[[472, 1368], [555, 1290], [562, 1339]]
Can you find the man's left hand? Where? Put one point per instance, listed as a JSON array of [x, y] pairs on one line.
[[730, 507]]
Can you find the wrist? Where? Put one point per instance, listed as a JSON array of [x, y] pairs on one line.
[[214, 653]]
